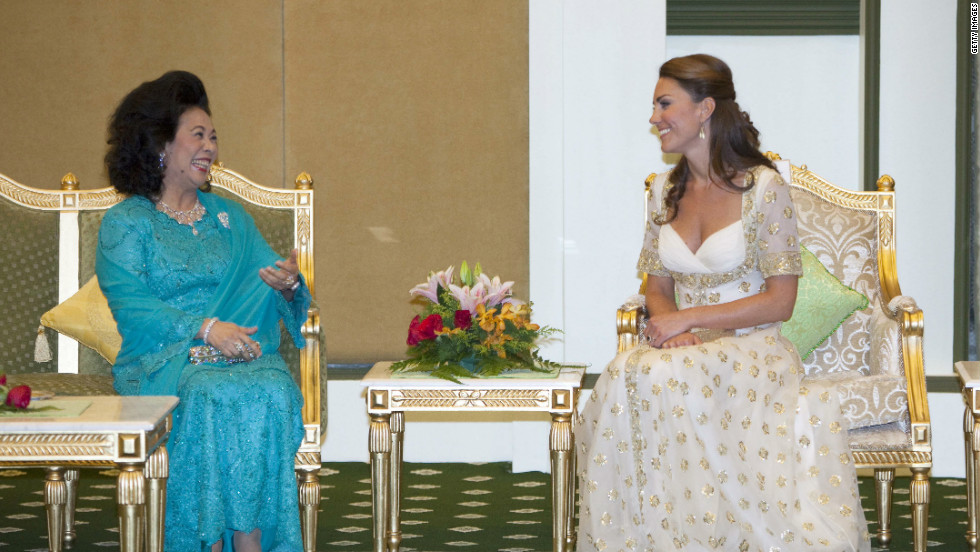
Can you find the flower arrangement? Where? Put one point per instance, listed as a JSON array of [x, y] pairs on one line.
[[13, 398], [471, 326]]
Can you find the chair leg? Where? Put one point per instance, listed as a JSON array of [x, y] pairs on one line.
[[55, 497], [920, 508], [309, 502], [71, 486], [884, 479]]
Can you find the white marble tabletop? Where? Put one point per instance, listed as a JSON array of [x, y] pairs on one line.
[[381, 377], [968, 373], [105, 413]]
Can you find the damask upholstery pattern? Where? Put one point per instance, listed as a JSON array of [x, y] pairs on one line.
[[886, 358], [828, 231], [871, 387], [867, 400]]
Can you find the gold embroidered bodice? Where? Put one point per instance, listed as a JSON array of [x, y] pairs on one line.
[[735, 261]]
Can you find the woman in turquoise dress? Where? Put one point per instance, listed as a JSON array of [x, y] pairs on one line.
[[198, 296]]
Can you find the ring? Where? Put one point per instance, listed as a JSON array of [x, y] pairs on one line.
[[238, 346]]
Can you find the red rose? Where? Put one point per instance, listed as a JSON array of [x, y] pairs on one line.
[[424, 330], [413, 332], [463, 319], [3, 379], [430, 326], [19, 397]]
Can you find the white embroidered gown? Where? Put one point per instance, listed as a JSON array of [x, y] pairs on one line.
[[717, 446]]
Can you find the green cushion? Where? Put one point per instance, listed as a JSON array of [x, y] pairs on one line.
[[823, 303]]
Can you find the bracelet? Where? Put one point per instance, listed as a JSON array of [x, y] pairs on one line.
[[207, 329], [295, 285]]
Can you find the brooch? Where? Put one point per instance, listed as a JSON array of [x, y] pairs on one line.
[[223, 217]]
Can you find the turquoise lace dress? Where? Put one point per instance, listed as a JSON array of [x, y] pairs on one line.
[[237, 427]]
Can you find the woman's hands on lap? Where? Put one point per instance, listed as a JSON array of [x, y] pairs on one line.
[[234, 341], [685, 339], [670, 329]]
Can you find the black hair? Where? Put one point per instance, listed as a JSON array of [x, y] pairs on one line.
[[145, 121]]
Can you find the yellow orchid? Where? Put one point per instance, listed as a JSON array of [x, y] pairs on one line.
[[519, 314], [488, 319], [449, 331], [496, 341]]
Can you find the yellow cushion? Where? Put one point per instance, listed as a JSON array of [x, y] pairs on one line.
[[86, 318]]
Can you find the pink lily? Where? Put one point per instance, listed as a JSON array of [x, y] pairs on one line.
[[429, 290], [445, 277], [496, 292], [468, 297]]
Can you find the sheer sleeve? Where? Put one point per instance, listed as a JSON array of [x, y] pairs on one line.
[[777, 239], [293, 313], [650, 253]]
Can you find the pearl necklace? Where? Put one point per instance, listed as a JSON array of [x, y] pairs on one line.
[[188, 217]]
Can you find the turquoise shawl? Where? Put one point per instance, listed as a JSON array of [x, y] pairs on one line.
[[156, 336]]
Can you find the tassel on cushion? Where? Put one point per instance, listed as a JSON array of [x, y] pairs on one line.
[[42, 351]]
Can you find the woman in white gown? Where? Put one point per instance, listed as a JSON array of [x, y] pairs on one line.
[[703, 438]]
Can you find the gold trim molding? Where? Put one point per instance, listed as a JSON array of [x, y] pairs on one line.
[[499, 399]]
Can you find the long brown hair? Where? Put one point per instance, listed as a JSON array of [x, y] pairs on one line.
[[734, 143]]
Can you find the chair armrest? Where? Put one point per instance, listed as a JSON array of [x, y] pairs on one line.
[[630, 321], [310, 368], [907, 313]]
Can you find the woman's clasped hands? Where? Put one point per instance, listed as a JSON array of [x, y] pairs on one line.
[[670, 329], [232, 340]]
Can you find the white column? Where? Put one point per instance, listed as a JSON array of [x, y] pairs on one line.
[[917, 144], [593, 67]]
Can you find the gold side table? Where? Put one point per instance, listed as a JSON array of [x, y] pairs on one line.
[[124, 432], [968, 374], [388, 398]]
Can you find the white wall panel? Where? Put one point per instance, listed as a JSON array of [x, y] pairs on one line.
[[917, 143], [802, 92]]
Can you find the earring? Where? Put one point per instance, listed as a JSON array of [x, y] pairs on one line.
[[163, 159], [701, 132], [206, 187]]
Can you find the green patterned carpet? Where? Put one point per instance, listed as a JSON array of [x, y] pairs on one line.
[[445, 507]]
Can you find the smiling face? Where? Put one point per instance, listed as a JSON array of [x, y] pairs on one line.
[[193, 149], [678, 118]]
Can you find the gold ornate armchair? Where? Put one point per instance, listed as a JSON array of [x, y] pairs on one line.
[[48, 251], [873, 360]]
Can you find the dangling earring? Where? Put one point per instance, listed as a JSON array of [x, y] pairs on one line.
[[701, 131], [163, 159], [206, 187]]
